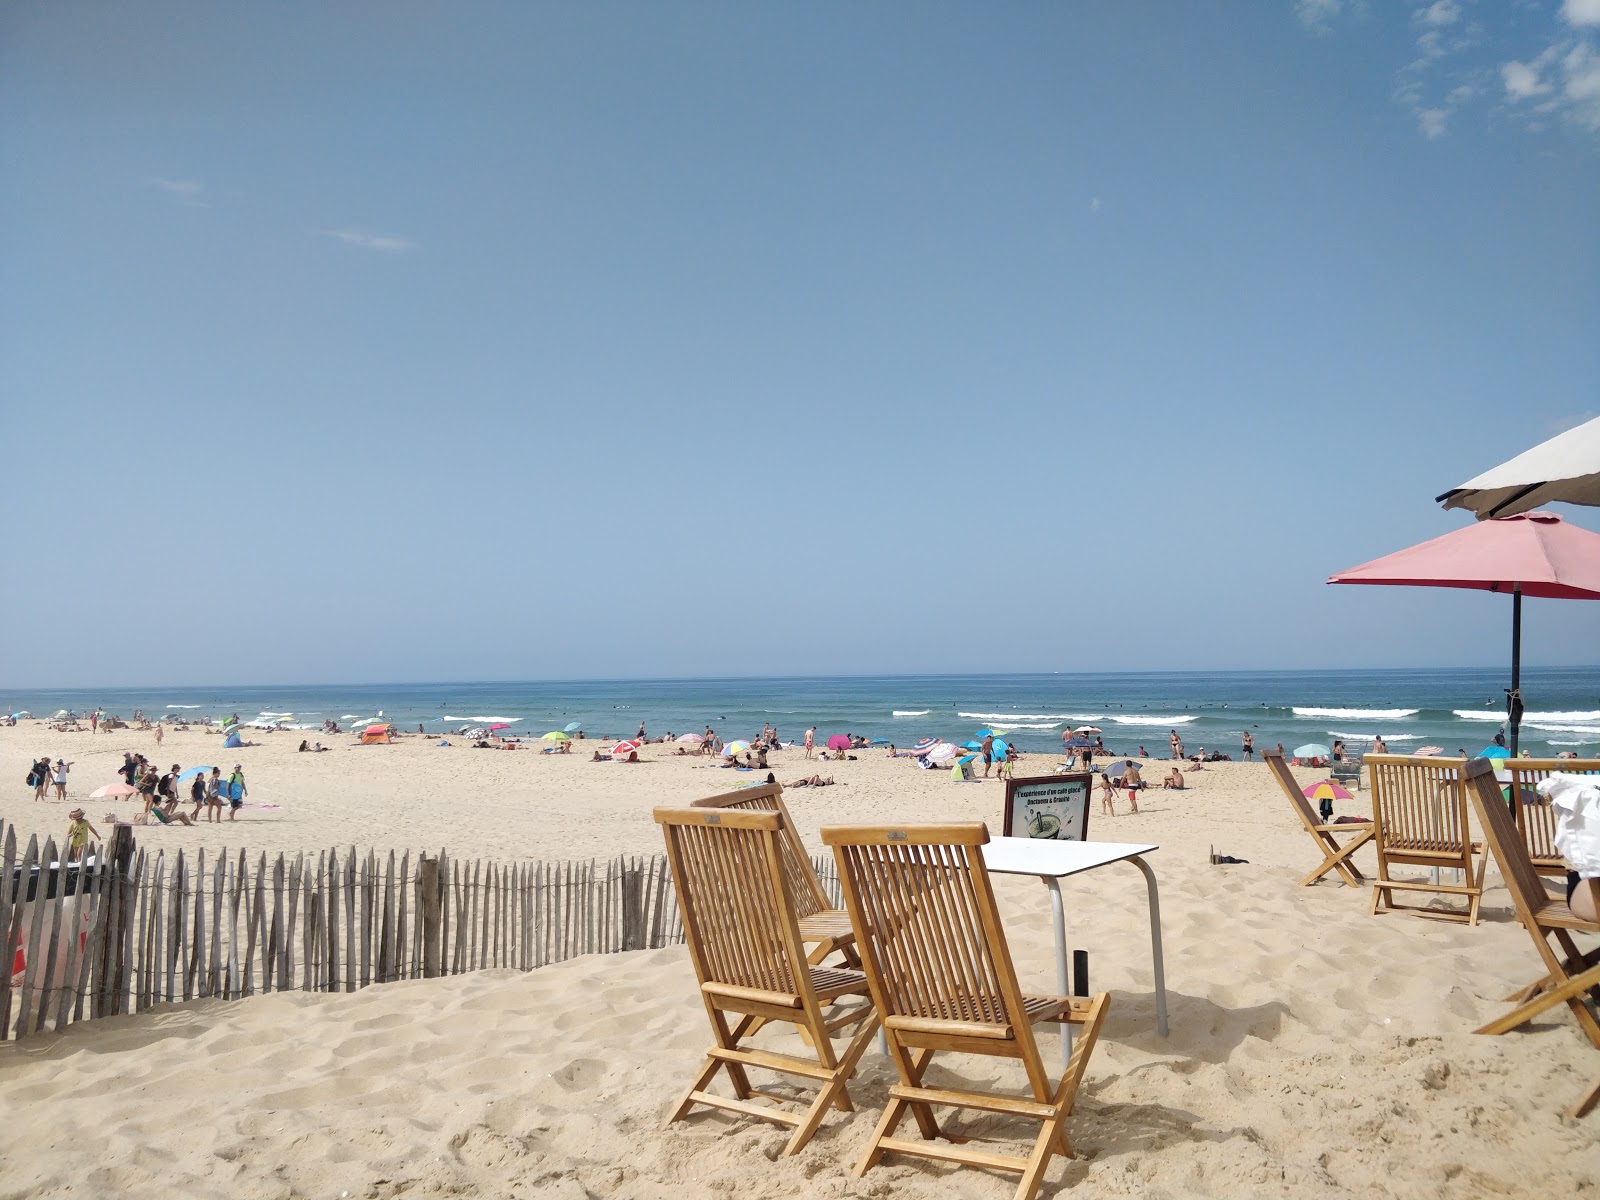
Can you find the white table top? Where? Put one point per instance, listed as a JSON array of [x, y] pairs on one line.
[[1046, 856]]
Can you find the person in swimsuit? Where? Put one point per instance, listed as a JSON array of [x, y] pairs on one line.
[[1247, 747]]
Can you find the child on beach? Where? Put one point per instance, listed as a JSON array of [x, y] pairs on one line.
[[78, 832]]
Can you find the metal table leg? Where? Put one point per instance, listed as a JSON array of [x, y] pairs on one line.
[[1155, 943], [1063, 986]]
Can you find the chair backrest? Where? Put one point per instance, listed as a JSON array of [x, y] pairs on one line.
[[928, 929], [1505, 841], [737, 915], [1419, 804], [1538, 821], [804, 886], [1297, 798]]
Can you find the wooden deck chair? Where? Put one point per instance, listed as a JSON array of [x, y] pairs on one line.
[[821, 925], [1535, 819], [1542, 915], [942, 979], [739, 921], [1419, 814], [1335, 857]]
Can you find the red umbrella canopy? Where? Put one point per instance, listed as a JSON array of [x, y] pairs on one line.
[[1536, 553]]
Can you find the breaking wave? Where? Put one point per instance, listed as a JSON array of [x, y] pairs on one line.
[[1478, 714], [907, 712], [1356, 714], [1002, 717], [183, 706], [1367, 737], [508, 720], [1154, 720]]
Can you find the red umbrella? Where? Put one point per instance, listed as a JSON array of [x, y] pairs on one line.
[[623, 749], [502, 725], [1531, 554], [838, 742]]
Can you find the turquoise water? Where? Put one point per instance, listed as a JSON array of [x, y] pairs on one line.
[[1455, 709]]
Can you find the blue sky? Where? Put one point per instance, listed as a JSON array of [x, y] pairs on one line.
[[398, 341]]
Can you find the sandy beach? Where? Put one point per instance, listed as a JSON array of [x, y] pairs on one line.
[[1314, 1050]]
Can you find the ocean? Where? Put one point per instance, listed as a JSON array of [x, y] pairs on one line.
[[1455, 709]]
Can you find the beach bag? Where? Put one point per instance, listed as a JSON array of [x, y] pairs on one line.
[[33, 780]]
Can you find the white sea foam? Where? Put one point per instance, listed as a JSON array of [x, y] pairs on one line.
[[976, 716], [507, 720], [1056, 725], [1367, 737], [1356, 714], [1559, 728], [183, 706], [1579, 742], [1154, 720], [350, 717], [273, 714], [1475, 714], [906, 712]]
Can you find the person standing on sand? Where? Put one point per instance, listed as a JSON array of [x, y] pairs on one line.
[[40, 775], [640, 738], [59, 778], [988, 753], [236, 791], [78, 831], [197, 793], [214, 796], [94, 722], [1247, 749], [811, 741], [159, 734], [1177, 744]]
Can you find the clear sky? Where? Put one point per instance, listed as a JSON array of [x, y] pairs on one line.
[[404, 341]]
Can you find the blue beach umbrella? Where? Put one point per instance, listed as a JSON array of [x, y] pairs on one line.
[[878, 742], [574, 727], [1000, 748], [1494, 752], [193, 771], [983, 733], [961, 762], [972, 745], [1312, 750]]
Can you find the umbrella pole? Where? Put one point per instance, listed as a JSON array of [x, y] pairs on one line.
[[1514, 695]]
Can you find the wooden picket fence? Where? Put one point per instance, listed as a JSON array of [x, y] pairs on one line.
[[129, 930]]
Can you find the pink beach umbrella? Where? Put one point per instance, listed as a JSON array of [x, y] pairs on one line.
[[692, 739], [943, 752], [112, 791], [839, 742], [1427, 751], [1531, 554], [502, 725]]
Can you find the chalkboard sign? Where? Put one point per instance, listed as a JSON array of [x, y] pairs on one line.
[[1049, 806]]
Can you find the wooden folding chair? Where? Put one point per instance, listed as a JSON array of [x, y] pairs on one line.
[[1419, 815], [942, 979], [1535, 820], [820, 923], [1542, 915], [739, 921], [1335, 857]]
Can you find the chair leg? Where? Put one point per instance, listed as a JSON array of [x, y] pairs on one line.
[[1586, 1102], [910, 1067], [1569, 990], [834, 1091]]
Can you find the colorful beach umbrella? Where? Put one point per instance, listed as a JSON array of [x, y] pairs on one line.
[[840, 741], [1325, 790], [111, 791], [1532, 554], [943, 752], [924, 745], [735, 747], [501, 725], [623, 749], [1428, 751]]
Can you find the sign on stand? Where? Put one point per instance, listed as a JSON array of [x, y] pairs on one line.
[[1049, 806]]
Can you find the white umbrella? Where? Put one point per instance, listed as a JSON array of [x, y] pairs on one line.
[[943, 752], [1566, 468]]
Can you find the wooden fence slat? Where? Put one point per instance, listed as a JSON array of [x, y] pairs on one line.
[[11, 920]]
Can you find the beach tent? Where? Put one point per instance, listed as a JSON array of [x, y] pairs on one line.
[[232, 742], [376, 735]]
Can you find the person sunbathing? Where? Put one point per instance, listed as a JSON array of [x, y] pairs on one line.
[[1174, 780], [811, 781]]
